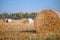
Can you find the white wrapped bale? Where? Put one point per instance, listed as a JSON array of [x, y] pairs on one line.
[[30, 20], [8, 20]]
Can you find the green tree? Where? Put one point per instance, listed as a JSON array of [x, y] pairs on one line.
[[33, 15], [26, 15], [0, 16], [5, 15], [20, 15]]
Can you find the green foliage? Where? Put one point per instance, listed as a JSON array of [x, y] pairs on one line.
[[5, 15], [33, 14], [18, 15], [0, 16]]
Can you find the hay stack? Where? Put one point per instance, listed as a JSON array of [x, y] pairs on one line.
[[8, 20], [24, 21], [47, 21], [31, 21]]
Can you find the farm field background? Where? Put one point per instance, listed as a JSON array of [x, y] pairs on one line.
[[29, 19], [12, 31], [45, 26]]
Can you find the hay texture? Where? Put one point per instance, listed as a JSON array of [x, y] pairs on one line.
[[47, 21], [24, 20]]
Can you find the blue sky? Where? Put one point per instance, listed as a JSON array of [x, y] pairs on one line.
[[12, 6]]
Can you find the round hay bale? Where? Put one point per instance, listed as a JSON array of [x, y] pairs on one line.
[[31, 21], [47, 21], [24, 20]]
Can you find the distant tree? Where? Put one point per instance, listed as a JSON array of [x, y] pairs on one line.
[[26, 15], [5, 15], [13, 16], [33, 15], [0, 16], [20, 15]]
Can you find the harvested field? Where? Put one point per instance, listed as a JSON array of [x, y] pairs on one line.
[[17, 25], [18, 30]]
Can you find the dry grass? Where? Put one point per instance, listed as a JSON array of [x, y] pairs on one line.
[[46, 24], [12, 31], [17, 25]]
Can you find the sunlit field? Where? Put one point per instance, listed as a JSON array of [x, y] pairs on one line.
[[23, 30], [19, 31], [16, 30], [29, 19]]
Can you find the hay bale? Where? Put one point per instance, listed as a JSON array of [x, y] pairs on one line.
[[27, 20], [31, 21], [8, 20], [24, 21], [47, 21]]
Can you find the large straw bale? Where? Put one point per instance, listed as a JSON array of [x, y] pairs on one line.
[[47, 21]]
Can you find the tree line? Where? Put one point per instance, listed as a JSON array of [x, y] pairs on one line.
[[19, 15]]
